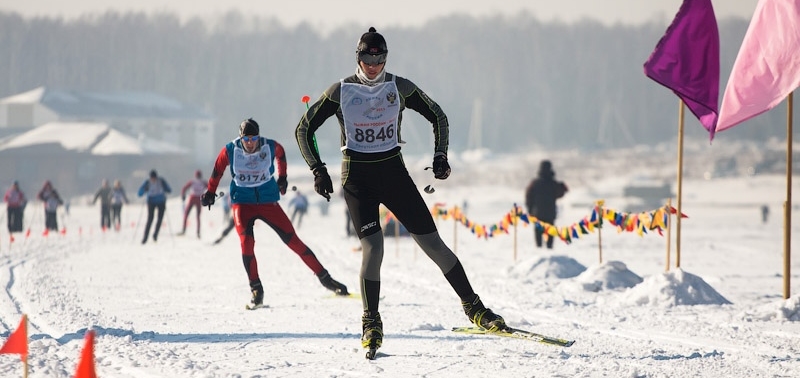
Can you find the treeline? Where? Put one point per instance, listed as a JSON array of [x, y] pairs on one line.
[[539, 85]]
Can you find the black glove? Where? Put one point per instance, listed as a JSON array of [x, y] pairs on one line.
[[322, 182], [441, 169], [208, 199], [282, 184]]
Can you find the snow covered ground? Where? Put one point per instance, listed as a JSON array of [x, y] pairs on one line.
[[175, 308]]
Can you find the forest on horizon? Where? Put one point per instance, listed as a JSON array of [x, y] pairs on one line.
[[537, 85]]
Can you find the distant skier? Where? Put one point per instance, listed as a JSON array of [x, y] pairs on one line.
[[49, 196], [196, 187], [15, 207], [300, 205], [118, 197], [104, 194], [226, 206], [156, 189]]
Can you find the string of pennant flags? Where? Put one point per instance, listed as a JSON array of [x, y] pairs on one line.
[[640, 223]]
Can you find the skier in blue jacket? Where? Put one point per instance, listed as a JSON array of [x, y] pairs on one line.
[[156, 189], [258, 179]]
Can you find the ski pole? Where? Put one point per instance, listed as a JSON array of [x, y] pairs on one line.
[[136, 230], [429, 188], [169, 225]]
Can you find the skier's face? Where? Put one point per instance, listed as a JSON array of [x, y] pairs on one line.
[[371, 70], [250, 143]]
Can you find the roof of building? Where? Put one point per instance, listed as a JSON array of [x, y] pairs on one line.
[[93, 138], [121, 104]]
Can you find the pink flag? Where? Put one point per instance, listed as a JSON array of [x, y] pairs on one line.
[[767, 68], [686, 60]]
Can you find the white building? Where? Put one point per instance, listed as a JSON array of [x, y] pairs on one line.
[[140, 114]]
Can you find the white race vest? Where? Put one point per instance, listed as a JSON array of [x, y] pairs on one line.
[[370, 116], [117, 196], [251, 170], [197, 187]]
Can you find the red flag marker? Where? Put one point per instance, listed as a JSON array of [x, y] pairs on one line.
[[17, 342]]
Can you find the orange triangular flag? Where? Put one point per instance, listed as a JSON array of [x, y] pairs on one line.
[[85, 367], [17, 342]]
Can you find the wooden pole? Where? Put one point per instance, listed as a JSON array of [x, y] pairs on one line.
[[600, 232], [669, 230], [787, 206], [600, 243], [25, 363], [680, 187]]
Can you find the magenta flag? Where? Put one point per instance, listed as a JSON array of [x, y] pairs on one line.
[[686, 60], [767, 68]]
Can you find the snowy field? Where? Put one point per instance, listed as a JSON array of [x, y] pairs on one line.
[[175, 308]]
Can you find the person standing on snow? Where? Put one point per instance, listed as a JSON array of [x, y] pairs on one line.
[[51, 200], [104, 193], [15, 207], [118, 197], [156, 189], [197, 186], [253, 162], [368, 106], [540, 198]]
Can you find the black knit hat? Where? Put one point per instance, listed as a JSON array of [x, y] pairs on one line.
[[372, 43], [248, 127], [371, 48]]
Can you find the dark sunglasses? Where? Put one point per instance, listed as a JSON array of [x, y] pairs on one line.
[[372, 60], [253, 138]]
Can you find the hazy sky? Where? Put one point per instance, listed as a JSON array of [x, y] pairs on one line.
[[325, 14]]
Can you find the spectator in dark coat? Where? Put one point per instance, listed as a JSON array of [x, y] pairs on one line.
[[541, 196]]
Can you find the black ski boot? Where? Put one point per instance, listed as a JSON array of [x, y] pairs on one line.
[[372, 336], [483, 317], [335, 286], [258, 294]]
